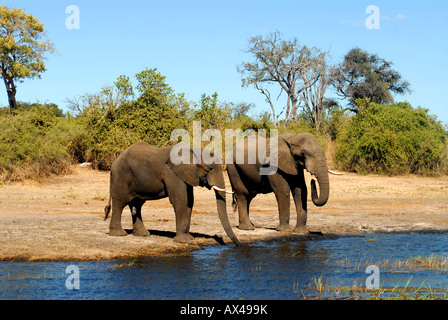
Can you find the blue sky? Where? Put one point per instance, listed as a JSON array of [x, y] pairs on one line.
[[197, 45]]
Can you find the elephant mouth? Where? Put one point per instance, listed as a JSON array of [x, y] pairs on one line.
[[204, 184], [311, 172], [300, 161]]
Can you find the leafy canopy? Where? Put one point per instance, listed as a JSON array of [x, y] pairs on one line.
[[365, 75], [23, 45]]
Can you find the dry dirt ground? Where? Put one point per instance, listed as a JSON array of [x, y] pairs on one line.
[[62, 217]]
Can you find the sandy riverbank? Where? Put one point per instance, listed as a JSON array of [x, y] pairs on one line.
[[62, 217]]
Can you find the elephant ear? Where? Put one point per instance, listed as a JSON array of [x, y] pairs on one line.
[[286, 161], [184, 167], [188, 173]]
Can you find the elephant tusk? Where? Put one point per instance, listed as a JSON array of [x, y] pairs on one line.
[[220, 189], [336, 173]]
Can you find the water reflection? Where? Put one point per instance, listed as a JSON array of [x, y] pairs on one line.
[[265, 270]]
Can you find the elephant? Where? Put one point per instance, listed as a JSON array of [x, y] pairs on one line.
[[296, 151], [144, 172]]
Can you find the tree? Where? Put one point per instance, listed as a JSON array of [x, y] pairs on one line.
[[313, 95], [121, 115], [362, 75], [279, 62], [124, 88], [241, 109], [23, 45], [212, 113]]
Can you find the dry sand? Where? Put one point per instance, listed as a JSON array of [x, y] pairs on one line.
[[62, 217]]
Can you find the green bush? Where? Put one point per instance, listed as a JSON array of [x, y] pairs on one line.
[[392, 139], [113, 120], [246, 123], [35, 142]]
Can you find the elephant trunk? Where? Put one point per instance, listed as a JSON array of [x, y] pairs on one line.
[[221, 205], [324, 185], [222, 213]]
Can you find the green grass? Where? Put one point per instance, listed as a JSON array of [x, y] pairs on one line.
[[319, 289], [432, 262], [413, 264]]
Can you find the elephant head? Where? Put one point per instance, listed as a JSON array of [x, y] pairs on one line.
[[302, 150], [194, 171]]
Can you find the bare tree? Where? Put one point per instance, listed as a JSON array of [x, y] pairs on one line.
[[268, 99], [78, 104], [314, 102], [281, 62], [75, 104]]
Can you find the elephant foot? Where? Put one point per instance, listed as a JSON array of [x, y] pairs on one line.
[[140, 232], [246, 226], [183, 238], [283, 228], [117, 232], [301, 230]]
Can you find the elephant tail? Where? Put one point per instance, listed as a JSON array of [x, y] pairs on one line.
[[107, 209]]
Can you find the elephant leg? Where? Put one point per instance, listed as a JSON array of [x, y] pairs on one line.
[[183, 204], [243, 203], [115, 228], [137, 221], [300, 200], [283, 201], [282, 193]]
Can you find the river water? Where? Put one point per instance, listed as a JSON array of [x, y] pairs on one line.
[[291, 269]]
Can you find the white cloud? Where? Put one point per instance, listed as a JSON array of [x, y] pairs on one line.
[[400, 16]]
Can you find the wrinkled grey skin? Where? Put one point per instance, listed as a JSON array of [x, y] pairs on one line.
[[143, 172], [296, 152]]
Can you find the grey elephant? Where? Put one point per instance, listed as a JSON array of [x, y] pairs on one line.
[[144, 172], [296, 151]]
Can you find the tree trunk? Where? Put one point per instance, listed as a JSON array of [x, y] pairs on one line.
[[11, 91]]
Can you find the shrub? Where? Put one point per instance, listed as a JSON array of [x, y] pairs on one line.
[[246, 123], [392, 139], [35, 143]]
